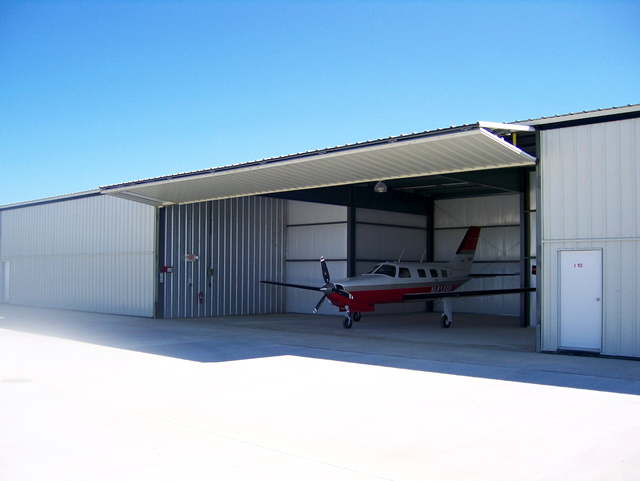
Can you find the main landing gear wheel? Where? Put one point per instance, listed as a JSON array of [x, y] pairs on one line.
[[356, 316], [347, 323], [445, 322]]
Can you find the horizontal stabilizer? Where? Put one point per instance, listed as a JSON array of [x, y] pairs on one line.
[[431, 296]]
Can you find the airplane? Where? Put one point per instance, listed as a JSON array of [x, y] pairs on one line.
[[394, 282]]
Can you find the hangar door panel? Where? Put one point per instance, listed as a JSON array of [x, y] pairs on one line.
[[581, 299]]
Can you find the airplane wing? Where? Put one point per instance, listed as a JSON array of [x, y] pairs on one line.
[[493, 275], [296, 286], [432, 296]]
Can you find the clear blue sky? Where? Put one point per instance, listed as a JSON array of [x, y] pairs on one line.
[[95, 93]]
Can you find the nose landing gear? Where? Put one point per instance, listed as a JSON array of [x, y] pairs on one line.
[[350, 318]]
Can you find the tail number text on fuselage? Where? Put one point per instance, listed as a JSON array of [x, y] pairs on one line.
[[442, 289]]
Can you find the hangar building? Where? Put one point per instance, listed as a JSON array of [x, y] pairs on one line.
[[558, 199]]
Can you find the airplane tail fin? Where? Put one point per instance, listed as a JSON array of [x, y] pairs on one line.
[[467, 250]]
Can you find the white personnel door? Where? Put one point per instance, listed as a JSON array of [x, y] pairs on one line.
[[581, 299]]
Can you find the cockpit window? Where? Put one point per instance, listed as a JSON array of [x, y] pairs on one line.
[[387, 270], [383, 269]]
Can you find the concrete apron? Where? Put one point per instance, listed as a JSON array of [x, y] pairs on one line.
[[81, 410]]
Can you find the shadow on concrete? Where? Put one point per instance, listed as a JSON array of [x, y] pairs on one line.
[[477, 346]]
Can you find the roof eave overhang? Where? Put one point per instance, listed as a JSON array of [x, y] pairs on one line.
[[462, 149]]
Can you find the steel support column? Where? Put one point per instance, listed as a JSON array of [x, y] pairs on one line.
[[525, 230], [351, 233]]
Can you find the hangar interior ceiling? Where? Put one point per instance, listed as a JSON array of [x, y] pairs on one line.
[[471, 148], [411, 195]]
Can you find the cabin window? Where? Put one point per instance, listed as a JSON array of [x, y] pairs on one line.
[[404, 272], [445, 273], [386, 270], [434, 272], [422, 273]]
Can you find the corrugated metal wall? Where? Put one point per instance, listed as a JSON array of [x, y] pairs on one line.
[[313, 231], [91, 254], [590, 196], [238, 242], [498, 249]]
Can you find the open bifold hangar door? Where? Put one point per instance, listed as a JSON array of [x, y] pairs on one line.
[[468, 148], [222, 230]]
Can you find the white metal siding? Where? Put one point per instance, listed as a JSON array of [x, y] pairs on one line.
[[314, 230], [498, 249], [380, 243], [590, 197], [91, 254], [383, 236]]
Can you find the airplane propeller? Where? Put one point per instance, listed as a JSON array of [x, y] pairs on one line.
[[327, 289]]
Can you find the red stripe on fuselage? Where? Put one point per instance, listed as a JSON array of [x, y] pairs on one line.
[[365, 300]]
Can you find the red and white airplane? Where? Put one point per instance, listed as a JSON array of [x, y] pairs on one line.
[[393, 282]]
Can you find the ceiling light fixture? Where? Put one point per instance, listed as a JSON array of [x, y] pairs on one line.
[[380, 188]]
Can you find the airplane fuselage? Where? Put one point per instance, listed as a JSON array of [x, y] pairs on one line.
[[392, 282]]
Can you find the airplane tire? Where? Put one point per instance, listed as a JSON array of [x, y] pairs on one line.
[[445, 322], [347, 323], [357, 316]]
